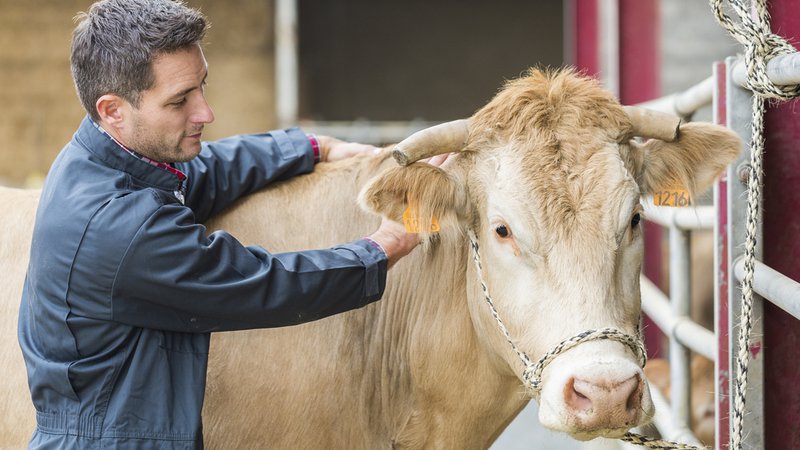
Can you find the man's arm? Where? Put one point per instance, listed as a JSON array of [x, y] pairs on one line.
[[231, 168], [172, 276]]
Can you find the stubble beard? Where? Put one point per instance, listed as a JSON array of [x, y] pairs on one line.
[[159, 148]]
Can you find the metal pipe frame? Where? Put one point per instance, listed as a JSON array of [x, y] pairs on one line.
[[663, 422], [685, 103], [738, 111], [286, 63], [774, 286], [685, 218], [782, 70], [657, 306], [680, 302], [366, 131]]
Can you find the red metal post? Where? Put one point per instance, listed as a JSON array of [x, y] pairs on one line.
[[585, 40], [639, 81], [782, 252], [639, 51], [723, 376]]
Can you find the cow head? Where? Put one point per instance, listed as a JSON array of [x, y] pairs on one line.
[[549, 176]]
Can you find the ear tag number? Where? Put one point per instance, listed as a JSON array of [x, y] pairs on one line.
[[411, 220], [675, 196]]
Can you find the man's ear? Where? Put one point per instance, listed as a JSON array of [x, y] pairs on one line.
[[699, 155], [111, 109], [433, 192]]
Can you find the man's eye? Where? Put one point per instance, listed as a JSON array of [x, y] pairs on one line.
[[180, 102]]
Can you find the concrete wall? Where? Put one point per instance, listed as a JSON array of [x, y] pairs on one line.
[[39, 109], [691, 41]]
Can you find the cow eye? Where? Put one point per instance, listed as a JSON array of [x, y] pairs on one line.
[[635, 220], [502, 231]]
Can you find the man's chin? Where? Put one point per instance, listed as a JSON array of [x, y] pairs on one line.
[[187, 152]]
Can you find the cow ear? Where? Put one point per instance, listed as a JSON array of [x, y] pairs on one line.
[[434, 192], [692, 162]]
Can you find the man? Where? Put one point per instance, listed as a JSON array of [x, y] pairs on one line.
[[124, 286]]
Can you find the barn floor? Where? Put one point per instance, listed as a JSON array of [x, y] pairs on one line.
[[526, 433]]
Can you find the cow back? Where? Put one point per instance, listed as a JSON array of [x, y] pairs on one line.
[[16, 227]]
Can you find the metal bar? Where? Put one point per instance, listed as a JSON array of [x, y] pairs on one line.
[[688, 218], [696, 337], [782, 70], [663, 422], [680, 301], [286, 63], [365, 131], [656, 305], [774, 286], [610, 57], [684, 103], [739, 115], [721, 269]]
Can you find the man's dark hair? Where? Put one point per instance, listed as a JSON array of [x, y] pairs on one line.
[[116, 41]]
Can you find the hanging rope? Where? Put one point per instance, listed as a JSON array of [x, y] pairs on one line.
[[761, 45]]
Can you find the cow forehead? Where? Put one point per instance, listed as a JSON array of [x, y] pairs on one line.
[[555, 106], [558, 199], [555, 137]]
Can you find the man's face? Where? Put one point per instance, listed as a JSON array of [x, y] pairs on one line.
[[168, 123]]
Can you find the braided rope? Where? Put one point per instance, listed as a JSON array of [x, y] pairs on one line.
[[532, 373], [761, 45]]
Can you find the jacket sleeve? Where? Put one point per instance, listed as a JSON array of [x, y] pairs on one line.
[[174, 277], [230, 168]]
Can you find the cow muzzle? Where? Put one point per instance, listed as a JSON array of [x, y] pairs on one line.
[[595, 391]]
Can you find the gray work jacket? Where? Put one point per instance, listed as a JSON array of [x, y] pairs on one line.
[[124, 286]]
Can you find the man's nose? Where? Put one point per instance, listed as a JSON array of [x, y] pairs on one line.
[[203, 114]]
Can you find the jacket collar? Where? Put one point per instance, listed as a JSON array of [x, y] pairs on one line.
[[113, 154]]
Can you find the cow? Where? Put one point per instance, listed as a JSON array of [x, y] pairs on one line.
[[545, 190], [702, 407]]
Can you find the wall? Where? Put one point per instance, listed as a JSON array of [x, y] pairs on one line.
[[419, 59], [40, 109]]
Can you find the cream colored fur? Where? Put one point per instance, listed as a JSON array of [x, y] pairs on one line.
[[426, 367]]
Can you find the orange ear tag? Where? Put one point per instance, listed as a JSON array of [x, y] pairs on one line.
[[411, 221], [675, 196]]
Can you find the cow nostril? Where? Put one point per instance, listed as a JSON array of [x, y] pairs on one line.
[[634, 401], [602, 401], [576, 396]]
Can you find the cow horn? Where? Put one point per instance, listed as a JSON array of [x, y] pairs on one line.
[[653, 124], [436, 140]]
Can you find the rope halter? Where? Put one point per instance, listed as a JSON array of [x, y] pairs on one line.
[[532, 373]]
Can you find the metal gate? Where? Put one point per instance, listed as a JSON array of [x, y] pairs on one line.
[[732, 108]]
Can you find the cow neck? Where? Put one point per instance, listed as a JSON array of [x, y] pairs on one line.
[[532, 372]]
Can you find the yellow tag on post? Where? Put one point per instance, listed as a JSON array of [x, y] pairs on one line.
[[675, 196], [411, 220]]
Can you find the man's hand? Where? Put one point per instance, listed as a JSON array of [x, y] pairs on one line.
[[395, 241], [332, 149], [392, 236]]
